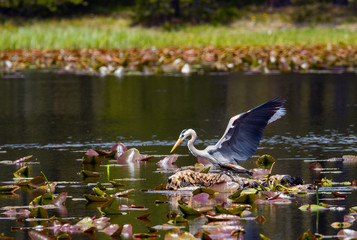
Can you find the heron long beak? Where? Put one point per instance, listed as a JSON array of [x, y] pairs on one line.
[[176, 144]]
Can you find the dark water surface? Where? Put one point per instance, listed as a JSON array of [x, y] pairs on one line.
[[58, 117]]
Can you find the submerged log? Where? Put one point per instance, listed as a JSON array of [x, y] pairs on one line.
[[189, 178]]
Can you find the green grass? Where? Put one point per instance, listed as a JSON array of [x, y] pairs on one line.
[[109, 32]]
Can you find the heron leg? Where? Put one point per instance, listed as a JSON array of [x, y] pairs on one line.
[[228, 173]]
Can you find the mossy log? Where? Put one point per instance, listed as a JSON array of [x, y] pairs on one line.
[[189, 178]]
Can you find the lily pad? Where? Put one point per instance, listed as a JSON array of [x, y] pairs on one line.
[[144, 216], [220, 210], [265, 161], [188, 211], [178, 220], [8, 189], [201, 197], [93, 198], [245, 198], [92, 159], [87, 173], [341, 225], [113, 230], [23, 172], [307, 236], [38, 212], [203, 190], [312, 208], [23, 159], [129, 156], [146, 235], [116, 184], [99, 192]]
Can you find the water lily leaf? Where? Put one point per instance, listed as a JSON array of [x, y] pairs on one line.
[[131, 207], [38, 212], [188, 211], [271, 194], [349, 218], [245, 198], [307, 236], [60, 199], [8, 189], [178, 220], [110, 211], [201, 197], [262, 237], [37, 182], [35, 235], [63, 236], [92, 160], [113, 230], [236, 194], [144, 216], [127, 230], [220, 209], [179, 236], [101, 186], [311, 208], [249, 191], [146, 235], [222, 217], [44, 199], [161, 186], [347, 234], [129, 156], [338, 195], [21, 160], [123, 193], [119, 149], [92, 153], [23, 172], [87, 173], [341, 225], [116, 184], [265, 161], [93, 198], [85, 223], [203, 190], [238, 210], [168, 162], [98, 192]]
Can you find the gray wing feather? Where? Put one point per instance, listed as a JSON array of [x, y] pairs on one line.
[[244, 131]]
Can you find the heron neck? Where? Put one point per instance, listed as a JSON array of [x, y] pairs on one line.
[[191, 147]]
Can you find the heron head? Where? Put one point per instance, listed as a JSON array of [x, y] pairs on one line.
[[184, 134]]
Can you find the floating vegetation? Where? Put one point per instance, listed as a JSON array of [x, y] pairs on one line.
[[119, 62], [221, 202]]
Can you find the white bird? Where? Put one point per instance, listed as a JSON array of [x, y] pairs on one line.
[[241, 138]]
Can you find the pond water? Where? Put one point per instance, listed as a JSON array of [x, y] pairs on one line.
[[58, 117]]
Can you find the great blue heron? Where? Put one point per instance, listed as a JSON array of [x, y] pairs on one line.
[[241, 138]]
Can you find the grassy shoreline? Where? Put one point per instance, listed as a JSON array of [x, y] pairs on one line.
[[102, 45], [110, 32]]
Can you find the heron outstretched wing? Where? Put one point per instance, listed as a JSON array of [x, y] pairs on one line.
[[244, 131]]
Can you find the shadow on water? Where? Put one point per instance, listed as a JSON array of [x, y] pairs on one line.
[[57, 117]]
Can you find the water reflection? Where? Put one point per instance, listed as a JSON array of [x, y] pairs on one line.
[[57, 118]]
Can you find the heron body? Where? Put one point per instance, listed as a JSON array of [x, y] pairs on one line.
[[241, 138]]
